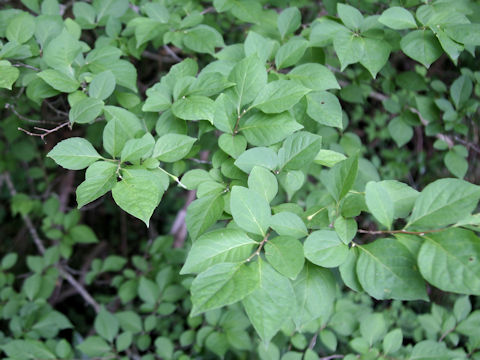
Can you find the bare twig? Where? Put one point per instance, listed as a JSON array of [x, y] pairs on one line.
[[24, 118], [45, 132], [172, 53], [26, 66]]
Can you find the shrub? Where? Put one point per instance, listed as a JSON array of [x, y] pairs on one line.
[[322, 156]]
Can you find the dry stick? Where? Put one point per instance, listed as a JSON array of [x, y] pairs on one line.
[[45, 131], [41, 248]]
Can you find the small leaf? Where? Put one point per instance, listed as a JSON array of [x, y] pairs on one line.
[[314, 76], [379, 203], [203, 213], [285, 254], [279, 96], [288, 224], [249, 210], [194, 108], [100, 178], [341, 177], [8, 75], [392, 341], [350, 16], [85, 110], [258, 156], [172, 147], [397, 18], [422, 46], [74, 153], [223, 284], [106, 325], [290, 52], [263, 182], [299, 150], [324, 108], [102, 85], [288, 21], [59, 81], [324, 248]]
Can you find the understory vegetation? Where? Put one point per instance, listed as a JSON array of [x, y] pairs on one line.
[[239, 179]]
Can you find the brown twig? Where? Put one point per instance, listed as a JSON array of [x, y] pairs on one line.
[[45, 131]]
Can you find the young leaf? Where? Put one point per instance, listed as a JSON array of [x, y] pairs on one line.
[[288, 21], [288, 224], [102, 85], [315, 289], [449, 261], [218, 246], [271, 304], [263, 182], [172, 147], [324, 248], [74, 153], [138, 193], [397, 18], [314, 76], [299, 150], [223, 284], [341, 177], [279, 96], [387, 270], [444, 202], [250, 210], [258, 156], [203, 213], [285, 254], [100, 178], [379, 203], [324, 108]]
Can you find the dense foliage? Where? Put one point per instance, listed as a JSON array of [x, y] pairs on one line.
[[264, 180]]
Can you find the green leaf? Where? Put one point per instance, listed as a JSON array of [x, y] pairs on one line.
[[27, 349], [324, 248], [256, 44], [449, 260], [203, 213], [138, 193], [350, 16], [264, 129], [456, 163], [122, 126], [250, 211], [392, 341], [288, 224], [279, 96], [346, 229], [158, 98], [223, 284], [291, 181], [341, 177], [85, 110], [100, 178], [258, 156], [285, 254], [422, 46], [106, 325], [350, 48], [8, 75], [464, 33], [194, 108], [102, 85], [379, 203], [94, 346], [148, 291], [59, 81], [299, 150], [62, 51], [387, 270], [172, 147], [430, 349], [271, 304], [373, 328], [74, 153], [375, 56], [82, 234], [290, 52], [444, 202], [263, 182], [348, 270], [328, 158], [314, 76], [315, 289], [164, 347], [203, 39], [106, 8], [218, 246], [123, 341], [129, 321], [225, 113], [324, 108], [8, 261], [462, 308], [288, 21], [250, 76], [397, 18], [232, 145], [136, 149], [402, 196], [21, 28], [400, 131], [461, 90]]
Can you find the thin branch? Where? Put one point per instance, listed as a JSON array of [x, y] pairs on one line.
[[45, 132], [332, 357], [209, 9], [172, 53], [26, 66], [24, 118], [259, 249], [41, 248], [381, 232]]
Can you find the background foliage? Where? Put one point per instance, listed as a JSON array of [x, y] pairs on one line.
[[271, 180]]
